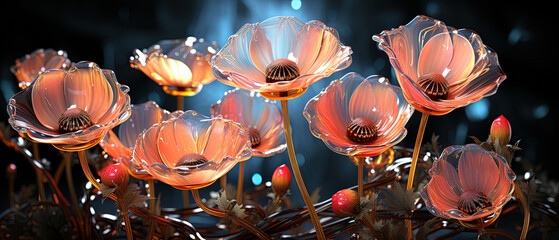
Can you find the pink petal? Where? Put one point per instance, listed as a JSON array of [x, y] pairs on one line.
[[325, 58], [48, 99], [441, 194], [260, 49], [175, 139], [114, 147], [169, 72], [435, 55], [463, 59], [282, 34], [477, 170]]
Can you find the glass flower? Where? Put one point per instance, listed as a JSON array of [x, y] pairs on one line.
[[260, 116], [70, 109], [27, 68], [353, 98], [181, 66], [468, 183], [191, 151], [438, 67], [120, 147], [280, 57]]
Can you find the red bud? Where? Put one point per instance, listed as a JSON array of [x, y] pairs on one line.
[[115, 175], [500, 130], [11, 168], [281, 180], [345, 202]]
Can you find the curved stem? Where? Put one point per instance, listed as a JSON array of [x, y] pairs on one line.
[[297, 173], [70, 179], [240, 183], [526, 209], [85, 168], [416, 148], [38, 174], [223, 214], [151, 190]]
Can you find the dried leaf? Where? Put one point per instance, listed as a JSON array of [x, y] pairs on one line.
[[315, 196], [105, 191], [133, 196], [400, 200], [424, 231], [238, 211], [221, 201], [529, 189]]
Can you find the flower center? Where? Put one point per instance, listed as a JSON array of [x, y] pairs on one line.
[[281, 70], [254, 136], [472, 201], [73, 119], [361, 130], [191, 160], [434, 85]]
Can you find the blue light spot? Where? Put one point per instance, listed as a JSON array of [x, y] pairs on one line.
[[541, 111], [296, 4], [478, 111], [256, 179]]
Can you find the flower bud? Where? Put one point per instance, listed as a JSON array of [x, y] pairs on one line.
[[11, 169], [500, 131], [281, 180], [115, 175], [345, 203]]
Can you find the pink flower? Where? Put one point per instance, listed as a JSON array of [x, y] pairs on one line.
[[191, 151], [70, 109], [27, 68], [468, 183], [181, 66], [142, 117], [359, 116], [438, 67], [260, 116], [256, 56]]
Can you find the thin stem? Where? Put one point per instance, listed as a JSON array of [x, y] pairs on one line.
[[185, 200], [127, 224], [360, 163], [240, 183], [223, 182], [367, 223], [38, 174], [70, 179], [180, 103], [11, 181], [151, 190], [526, 209], [223, 214], [85, 168], [297, 173], [418, 140]]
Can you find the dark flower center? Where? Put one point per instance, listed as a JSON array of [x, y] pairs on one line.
[[434, 85], [191, 160], [361, 130], [472, 201], [254, 136], [281, 70], [73, 119]]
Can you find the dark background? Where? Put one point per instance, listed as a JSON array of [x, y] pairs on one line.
[[106, 32]]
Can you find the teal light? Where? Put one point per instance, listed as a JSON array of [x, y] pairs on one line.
[[256, 179], [296, 4]]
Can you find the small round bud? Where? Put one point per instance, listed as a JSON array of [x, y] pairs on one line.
[[11, 168], [500, 130], [281, 180], [115, 175], [345, 203]]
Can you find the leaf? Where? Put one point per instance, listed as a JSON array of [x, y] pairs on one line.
[[133, 196], [529, 189], [105, 191], [221, 201], [238, 211], [315, 196], [400, 200], [423, 232]]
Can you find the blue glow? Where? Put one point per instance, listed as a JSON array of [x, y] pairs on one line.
[[478, 111], [296, 4], [256, 179], [541, 111]]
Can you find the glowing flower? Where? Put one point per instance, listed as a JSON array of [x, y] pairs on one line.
[[181, 66], [70, 109], [27, 68], [142, 117], [438, 67], [359, 116], [468, 183], [280, 57], [260, 116], [191, 151]]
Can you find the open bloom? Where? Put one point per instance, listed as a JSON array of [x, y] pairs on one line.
[[191, 151], [27, 68], [181, 66], [438, 67], [359, 116], [468, 183], [280, 57], [260, 116], [120, 147], [70, 109]]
